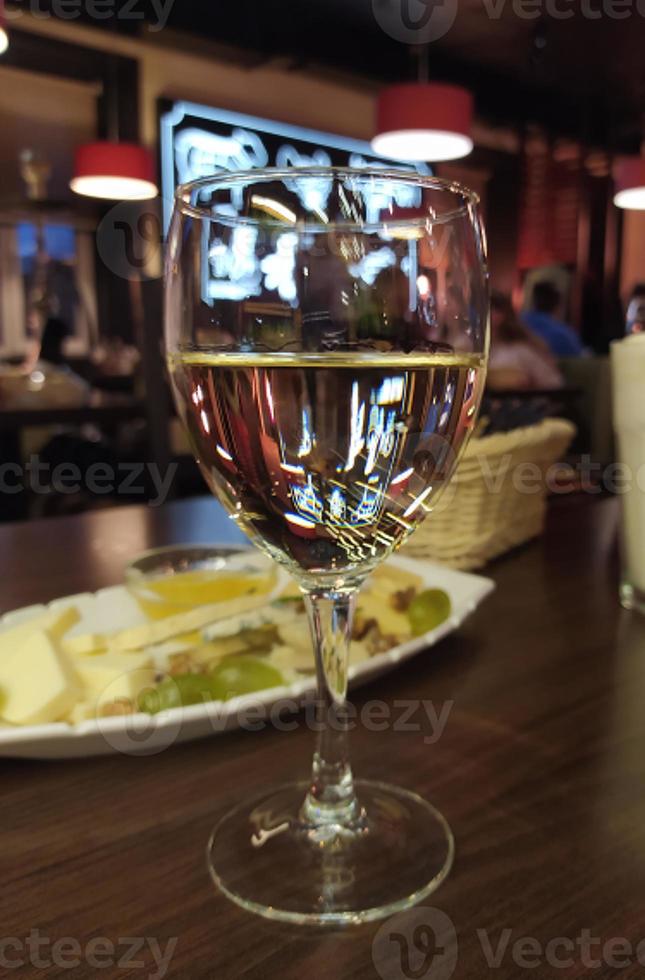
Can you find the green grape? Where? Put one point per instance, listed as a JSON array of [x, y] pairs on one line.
[[428, 610], [173, 692], [242, 675], [234, 676]]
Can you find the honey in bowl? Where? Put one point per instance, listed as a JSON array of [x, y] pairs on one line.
[[172, 581]]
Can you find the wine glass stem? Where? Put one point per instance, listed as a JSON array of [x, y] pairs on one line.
[[331, 798]]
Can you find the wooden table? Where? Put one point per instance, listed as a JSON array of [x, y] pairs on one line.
[[101, 408], [106, 409], [540, 771]]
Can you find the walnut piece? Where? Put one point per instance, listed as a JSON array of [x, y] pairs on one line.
[[120, 706], [363, 626], [401, 600]]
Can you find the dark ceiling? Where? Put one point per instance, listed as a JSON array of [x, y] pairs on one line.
[[574, 67], [583, 75]]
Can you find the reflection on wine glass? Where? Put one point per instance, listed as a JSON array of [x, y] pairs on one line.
[[327, 407]]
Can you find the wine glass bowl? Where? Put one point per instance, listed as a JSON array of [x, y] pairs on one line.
[[326, 333]]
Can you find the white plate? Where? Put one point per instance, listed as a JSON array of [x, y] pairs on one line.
[[141, 734]]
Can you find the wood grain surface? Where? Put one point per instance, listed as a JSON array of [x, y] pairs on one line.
[[540, 771]]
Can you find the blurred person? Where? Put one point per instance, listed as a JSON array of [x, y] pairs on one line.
[[391, 293], [635, 319], [518, 359], [55, 332], [561, 339]]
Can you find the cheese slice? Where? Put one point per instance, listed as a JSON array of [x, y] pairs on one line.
[[391, 578], [55, 623], [37, 682], [84, 644], [161, 630], [390, 621], [108, 678], [59, 622], [80, 712]]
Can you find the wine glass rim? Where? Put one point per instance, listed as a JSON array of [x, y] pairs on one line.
[[466, 199]]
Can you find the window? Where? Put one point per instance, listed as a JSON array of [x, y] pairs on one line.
[[46, 271]]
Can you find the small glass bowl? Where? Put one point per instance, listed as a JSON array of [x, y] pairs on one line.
[[174, 579]]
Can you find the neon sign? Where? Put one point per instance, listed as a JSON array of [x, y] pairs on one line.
[[197, 141]]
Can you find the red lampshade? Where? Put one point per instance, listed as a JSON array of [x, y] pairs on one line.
[[114, 171], [420, 121], [629, 178]]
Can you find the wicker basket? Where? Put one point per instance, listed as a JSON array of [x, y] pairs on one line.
[[483, 512]]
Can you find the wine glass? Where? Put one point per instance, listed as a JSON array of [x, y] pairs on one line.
[[326, 334]]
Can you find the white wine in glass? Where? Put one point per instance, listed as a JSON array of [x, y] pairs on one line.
[[328, 366]]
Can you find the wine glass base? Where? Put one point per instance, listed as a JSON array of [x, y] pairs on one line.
[[269, 860]]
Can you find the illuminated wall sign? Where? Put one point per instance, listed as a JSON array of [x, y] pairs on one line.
[[197, 140]]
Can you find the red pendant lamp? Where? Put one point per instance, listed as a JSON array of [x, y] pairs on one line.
[[629, 178], [4, 36], [114, 171], [424, 121]]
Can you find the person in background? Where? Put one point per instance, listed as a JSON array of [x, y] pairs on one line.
[[51, 346], [518, 359], [635, 319], [45, 340], [561, 339]]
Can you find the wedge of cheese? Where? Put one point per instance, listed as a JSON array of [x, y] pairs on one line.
[[37, 682], [390, 621], [83, 644], [79, 713], [161, 630], [110, 678], [56, 624], [390, 578]]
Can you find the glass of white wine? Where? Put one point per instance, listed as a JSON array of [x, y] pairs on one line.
[[326, 335]]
